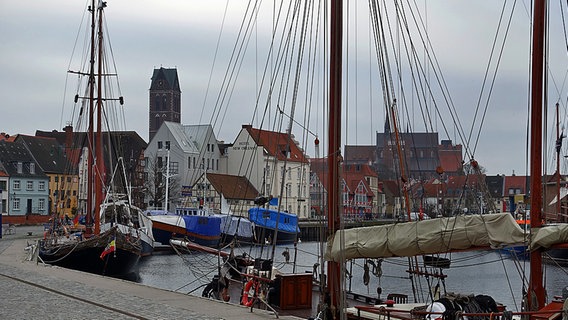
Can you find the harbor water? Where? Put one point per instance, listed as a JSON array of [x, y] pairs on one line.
[[475, 272]]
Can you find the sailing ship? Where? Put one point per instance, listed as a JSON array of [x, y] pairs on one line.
[[441, 235], [411, 239], [112, 240]]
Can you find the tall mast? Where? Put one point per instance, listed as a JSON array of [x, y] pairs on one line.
[[559, 138], [536, 289], [334, 144], [98, 142], [90, 136]]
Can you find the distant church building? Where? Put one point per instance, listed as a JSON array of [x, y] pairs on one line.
[[165, 99]]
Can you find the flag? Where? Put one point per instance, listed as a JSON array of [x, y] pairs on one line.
[[76, 220], [111, 247]]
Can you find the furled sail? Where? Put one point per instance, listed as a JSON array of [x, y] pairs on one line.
[[426, 237], [549, 235]]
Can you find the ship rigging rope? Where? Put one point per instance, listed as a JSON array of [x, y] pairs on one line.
[[494, 75]]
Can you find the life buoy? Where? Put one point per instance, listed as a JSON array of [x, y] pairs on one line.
[[246, 300]]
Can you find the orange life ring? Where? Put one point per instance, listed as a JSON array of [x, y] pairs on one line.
[[245, 299]]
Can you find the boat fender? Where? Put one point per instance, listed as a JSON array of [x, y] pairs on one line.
[[366, 277], [438, 310], [248, 296]]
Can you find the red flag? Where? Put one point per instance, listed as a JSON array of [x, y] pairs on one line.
[[111, 247]]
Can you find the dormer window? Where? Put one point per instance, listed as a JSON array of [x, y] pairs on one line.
[[32, 168], [19, 167]]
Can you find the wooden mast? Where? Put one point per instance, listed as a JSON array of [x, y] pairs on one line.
[[98, 137], [334, 145], [536, 290], [558, 148], [90, 136]]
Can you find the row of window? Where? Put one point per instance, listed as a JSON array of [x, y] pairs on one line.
[[421, 153], [16, 185], [16, 204]]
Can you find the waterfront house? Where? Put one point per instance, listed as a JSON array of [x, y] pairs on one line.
[[267, 158], [28, 184], [62, 173], [193, 151]]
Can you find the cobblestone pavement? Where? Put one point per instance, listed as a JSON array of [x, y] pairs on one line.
[[35, 291]]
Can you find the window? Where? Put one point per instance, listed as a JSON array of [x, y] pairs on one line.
[[160, 145], [16, 185], [3, 186], [16, 204], [189, 162], [32, 168], [19, 166], [68, 179], [174, 167], [160, 162], [30, 185], [289, 174], [167, 145], [41, 204]]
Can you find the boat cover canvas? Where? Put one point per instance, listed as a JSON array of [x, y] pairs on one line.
[[266, 218], [425, 237], [236, 226], [549, 235]]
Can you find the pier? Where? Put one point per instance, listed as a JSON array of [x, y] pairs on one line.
[[33, 290]]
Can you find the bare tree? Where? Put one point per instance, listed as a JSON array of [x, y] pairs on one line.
[[155, 183]]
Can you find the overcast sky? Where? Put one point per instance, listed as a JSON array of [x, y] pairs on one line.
[[38, 39]]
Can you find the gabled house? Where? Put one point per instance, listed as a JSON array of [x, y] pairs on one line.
[[318, 184], [28, 184], [62, 173], [515, 190], [269, 160], [361, 191], [393, 199], [193, 151], [127, 145]]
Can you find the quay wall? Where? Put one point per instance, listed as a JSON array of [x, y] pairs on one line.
[[316, 230]]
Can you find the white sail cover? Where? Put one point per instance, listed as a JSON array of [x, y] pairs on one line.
[[549, 235], [425, 237]]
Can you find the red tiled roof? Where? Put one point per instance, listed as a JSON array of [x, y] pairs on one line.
[[276, 144], [515, 182]]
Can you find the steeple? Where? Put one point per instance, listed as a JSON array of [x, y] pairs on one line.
[[165, 99]]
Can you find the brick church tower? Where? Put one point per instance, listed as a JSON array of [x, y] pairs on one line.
[[165, 99]]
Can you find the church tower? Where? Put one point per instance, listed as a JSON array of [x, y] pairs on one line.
[[165, 99]]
